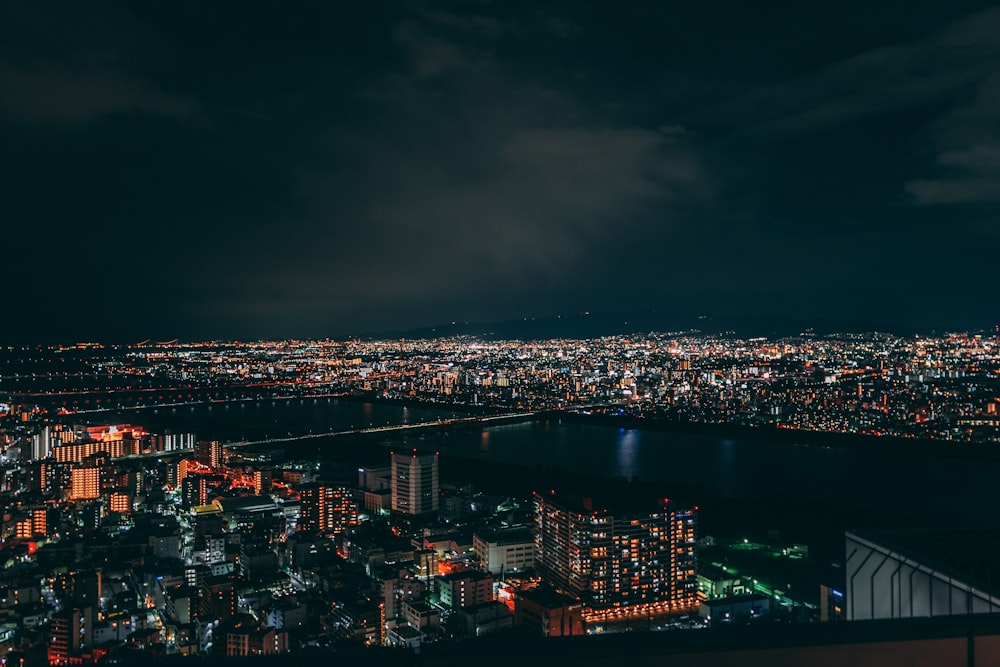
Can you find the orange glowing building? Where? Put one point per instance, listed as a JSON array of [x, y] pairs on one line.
[[85, 484], [120, 502]]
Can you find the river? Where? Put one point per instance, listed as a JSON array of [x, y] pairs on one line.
[[937, 489]]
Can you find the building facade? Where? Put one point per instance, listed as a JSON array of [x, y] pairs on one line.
[[504, 551], [618, 564], [326, 508], [415, 487]]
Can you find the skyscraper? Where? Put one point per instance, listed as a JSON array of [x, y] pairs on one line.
[[415, 483], [619, 564]]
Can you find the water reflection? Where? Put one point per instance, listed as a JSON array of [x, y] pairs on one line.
[[627, 452], [726, 475]]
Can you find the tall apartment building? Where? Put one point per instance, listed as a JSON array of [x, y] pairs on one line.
[[209, 453], [171, 442], [85, 484], [326, 508], [262, 479], [41, 444], [71, 633], [414, 483], [194, 490], [619, 564]]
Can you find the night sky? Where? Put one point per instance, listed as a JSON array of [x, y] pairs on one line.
[[236, 170]]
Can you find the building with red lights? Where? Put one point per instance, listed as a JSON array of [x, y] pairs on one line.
[[619, 564]]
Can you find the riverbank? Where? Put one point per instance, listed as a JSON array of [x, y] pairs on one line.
[[424, 404], [769, 433]]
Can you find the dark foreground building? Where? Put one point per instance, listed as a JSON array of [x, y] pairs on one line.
[[921, 573], [955, 641]]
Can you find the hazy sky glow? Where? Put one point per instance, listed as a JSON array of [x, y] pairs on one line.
[[234, 170]]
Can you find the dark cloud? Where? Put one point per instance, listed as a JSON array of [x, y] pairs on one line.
[[211, 170], [966, 141], [883, 80], [45, 95]]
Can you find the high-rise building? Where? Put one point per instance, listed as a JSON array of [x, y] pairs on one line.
[[209, 453], [415, 483], [326, 508], [619, 564], [178, 471], [41, 444], [45, 476], [85, 483], [172, 442], [194, 491], [71, 632], [262, 481]]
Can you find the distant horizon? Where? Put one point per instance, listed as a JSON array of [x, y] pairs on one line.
[[588, 325]]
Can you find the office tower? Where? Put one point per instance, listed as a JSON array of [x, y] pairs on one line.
[[326, 508], [415, 483], [620, 564]]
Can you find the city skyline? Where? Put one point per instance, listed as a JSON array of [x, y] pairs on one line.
[[247, 174]]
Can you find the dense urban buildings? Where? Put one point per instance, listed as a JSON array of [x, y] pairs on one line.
[[940, 387], [207, 546]]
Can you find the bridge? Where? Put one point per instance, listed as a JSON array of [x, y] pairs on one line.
[[491, 420]]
